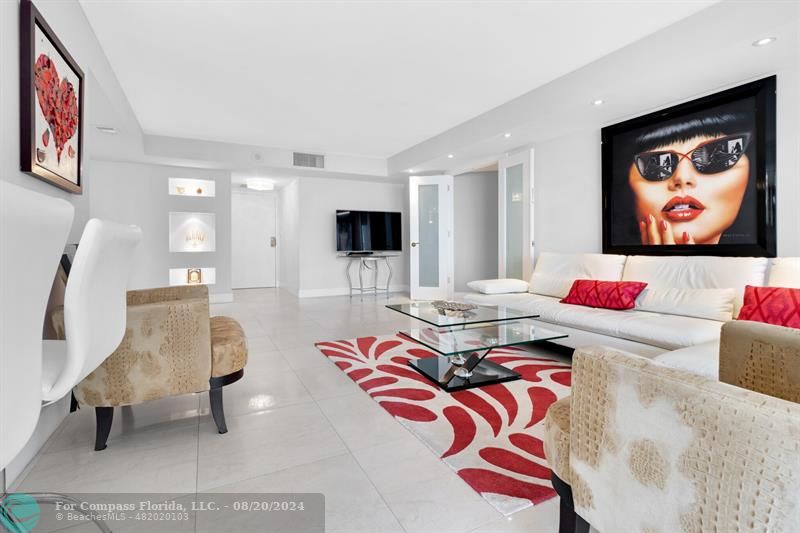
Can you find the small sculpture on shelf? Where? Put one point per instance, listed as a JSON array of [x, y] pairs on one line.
[[194, 276], [180, 190], [195, 238]]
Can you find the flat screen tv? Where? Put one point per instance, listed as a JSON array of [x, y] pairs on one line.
[[368, 231]]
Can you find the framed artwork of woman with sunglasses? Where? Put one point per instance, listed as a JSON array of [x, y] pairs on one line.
[[694, 179]]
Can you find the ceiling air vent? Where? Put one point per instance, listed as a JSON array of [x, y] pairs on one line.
[[309, 160]]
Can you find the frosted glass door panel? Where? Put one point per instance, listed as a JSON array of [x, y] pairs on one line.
[[428, 236], [514, 221]]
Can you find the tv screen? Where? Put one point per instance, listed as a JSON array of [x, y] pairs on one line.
[[368, 231]]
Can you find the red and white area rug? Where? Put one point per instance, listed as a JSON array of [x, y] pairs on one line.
[[490, 436]]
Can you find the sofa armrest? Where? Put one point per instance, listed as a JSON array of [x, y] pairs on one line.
[[166, 351], [761, 357], [693, 453]]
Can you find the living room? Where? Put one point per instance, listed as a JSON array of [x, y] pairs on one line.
[[323, 266]]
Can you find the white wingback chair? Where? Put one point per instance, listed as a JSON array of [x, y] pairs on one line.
[[33, 232], [95, 306]]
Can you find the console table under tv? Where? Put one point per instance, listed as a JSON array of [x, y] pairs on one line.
[[368, 263]]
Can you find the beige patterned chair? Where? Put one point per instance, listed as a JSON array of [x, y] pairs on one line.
[[171, 346], [643, 447], [762, 358]]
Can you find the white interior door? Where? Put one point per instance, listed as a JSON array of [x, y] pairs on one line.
[[431, 234], [515, 216], [253, 240]]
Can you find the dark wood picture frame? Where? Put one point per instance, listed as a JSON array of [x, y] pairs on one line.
[[763, 92], [29, 19]]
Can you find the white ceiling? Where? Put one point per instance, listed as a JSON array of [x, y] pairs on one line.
[[363, 78]]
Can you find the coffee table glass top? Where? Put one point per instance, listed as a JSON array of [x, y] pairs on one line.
[[482, 314], [452, 342]]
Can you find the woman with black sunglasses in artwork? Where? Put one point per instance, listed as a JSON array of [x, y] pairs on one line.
[[689, 178]]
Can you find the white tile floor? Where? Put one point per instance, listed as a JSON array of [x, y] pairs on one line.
[[296, 424]]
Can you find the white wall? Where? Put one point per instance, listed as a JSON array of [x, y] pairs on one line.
[[567, 214], [475, 219], [134, 193], [289, 237], [321, 271]]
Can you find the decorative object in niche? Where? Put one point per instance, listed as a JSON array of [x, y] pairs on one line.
[[192, 232], [699, 176], [194, 275], [51, 104], [192, 187], [188, 276]]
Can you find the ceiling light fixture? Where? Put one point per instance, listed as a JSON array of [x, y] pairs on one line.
[[449, 156], [410, 170], [259, 184], [599, 101], [507, 135], [107, 130], [765, 41]]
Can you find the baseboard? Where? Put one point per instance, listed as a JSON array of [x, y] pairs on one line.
[[344, 291], [220, 298]]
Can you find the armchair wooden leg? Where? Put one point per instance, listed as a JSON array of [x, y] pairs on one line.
[[104, 417], [217, 410], [215, 397], [568, 520]]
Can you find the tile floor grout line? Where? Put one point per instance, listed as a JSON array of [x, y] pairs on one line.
[[350, 451]]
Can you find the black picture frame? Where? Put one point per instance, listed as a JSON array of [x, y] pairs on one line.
[[30, 19], [763, 95]]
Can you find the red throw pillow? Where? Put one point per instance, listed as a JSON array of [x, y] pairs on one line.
[[605, 294], [773, 305]]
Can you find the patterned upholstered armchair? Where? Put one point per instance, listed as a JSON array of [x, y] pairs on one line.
[[642, 447], [171, 346]]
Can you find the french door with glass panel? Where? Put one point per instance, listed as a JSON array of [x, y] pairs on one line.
[[515, 216], [431, 234]]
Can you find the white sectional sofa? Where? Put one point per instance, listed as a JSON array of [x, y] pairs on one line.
[[678, 317]]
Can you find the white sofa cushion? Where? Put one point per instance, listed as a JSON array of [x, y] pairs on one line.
[[785, 272], [498, 286], [698, 273], [701, 359], [520, 301], [669, 332], [713, 304], [555, 273], [665, 331], [547, 285]]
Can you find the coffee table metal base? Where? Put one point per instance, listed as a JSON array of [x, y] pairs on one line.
[[442, 372]]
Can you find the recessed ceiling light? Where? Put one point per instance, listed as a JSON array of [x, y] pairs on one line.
[[765, 41], [410, 170], [107, 129], [507, 135], [599, 101], [449, 156], [260, 184]]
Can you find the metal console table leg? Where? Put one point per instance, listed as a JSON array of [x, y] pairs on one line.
[[369, 263]]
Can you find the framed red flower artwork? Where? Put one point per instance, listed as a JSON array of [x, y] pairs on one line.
[[51, 104]]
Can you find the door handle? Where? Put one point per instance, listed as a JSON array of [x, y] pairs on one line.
[[273, 242], [414, 244]]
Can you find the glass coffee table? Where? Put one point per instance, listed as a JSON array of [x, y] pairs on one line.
[[465, 338]]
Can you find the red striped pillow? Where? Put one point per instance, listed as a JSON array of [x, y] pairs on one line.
[[779, 306], [604, 294]]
